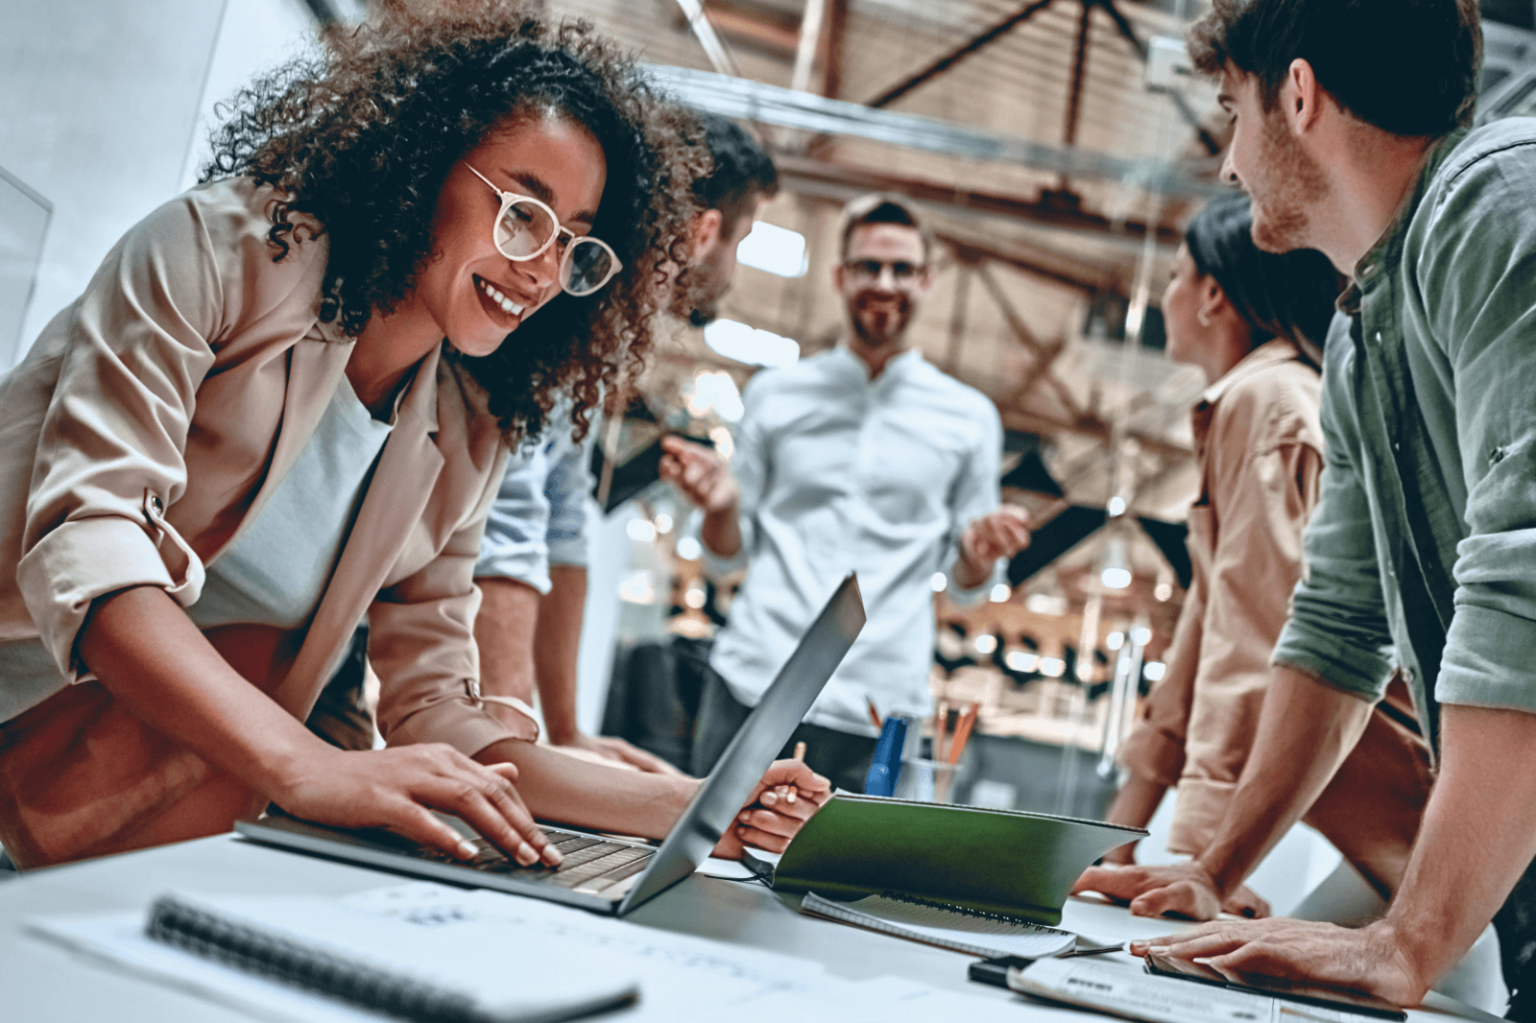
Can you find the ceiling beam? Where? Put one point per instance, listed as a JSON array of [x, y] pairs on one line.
[[807, 44], [1128, 31], [753, 26], [1037, 262], [963, 271], [833, 41], [1050, 209], [966, 49], [768, 104], [1079, 73], [704, 31], [1089, 426]]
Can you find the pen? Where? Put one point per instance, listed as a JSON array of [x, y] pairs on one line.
[[963, 732], [1091, 950], [940, 722], [790, 792]]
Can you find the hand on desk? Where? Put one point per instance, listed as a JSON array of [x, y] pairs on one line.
[[395, 789], [786, 797], [611, 748], [1178, 889], [1369, 958]]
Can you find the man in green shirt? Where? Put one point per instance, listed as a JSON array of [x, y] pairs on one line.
[[1349, 135]]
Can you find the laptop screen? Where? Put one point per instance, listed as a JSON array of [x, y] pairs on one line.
[[715, 806]]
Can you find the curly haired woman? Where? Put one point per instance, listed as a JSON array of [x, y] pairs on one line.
[[284, 402]]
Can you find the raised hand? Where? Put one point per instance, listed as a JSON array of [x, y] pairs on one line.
[[997, 534], [700, 474]]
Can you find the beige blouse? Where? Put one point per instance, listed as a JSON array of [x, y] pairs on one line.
[[1259, 444]]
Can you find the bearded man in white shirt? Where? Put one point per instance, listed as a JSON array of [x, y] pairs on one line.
[[863, 458]]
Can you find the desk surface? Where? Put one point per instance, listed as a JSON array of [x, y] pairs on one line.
[[40, 981]]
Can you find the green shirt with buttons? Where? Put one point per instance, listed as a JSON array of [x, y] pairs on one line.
[[1422, 551]]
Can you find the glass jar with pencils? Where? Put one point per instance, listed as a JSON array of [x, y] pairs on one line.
[[931, 779]]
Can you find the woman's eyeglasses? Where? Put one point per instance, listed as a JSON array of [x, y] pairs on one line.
[[526, 228]]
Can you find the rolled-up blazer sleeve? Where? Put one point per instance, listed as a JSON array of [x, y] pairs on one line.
[[421, 644], [109, 459]]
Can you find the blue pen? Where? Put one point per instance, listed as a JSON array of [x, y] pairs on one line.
[[886, 768]]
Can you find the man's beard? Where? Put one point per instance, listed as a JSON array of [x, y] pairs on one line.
[[1294, 186], [898, 320]]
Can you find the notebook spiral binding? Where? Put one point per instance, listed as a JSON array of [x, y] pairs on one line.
[[949, 907], [187, 927]]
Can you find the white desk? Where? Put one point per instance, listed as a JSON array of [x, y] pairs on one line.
[[42, 982]]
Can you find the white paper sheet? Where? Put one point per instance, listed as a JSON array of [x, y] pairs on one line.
[[727, 870], [963, 932], [1127, 991]]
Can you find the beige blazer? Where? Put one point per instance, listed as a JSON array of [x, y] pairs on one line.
[[152, 420], [1259, 444]]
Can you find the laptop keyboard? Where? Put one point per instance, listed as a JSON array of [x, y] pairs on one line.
[[590, 864]]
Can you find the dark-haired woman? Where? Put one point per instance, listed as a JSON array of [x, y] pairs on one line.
[[284, 403], [1254, 323]]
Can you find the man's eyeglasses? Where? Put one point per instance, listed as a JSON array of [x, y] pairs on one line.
[[868, 271], [526, 228]]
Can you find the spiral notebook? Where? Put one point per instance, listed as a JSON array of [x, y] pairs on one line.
[[391, 967], [972, 931]]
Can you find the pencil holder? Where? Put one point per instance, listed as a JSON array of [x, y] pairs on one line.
[[928, 781]]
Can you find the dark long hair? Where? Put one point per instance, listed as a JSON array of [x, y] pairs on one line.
[[362, 134], [1290, 295]]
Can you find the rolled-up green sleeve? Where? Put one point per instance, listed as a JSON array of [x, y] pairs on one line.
[[1476, 268], [1338, 631]]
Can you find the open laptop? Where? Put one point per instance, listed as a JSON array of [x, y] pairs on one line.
[[599, 873]]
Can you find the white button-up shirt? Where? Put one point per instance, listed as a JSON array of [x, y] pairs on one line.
[[841, 473]]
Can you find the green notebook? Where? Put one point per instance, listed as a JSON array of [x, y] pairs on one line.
[[997, 861]]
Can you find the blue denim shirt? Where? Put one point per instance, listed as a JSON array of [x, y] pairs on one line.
[[539, 517], [1423, 549]]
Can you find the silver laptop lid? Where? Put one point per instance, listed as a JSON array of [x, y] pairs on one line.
[[715, 806]]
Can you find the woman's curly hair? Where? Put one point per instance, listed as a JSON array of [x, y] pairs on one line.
[[362, 134]]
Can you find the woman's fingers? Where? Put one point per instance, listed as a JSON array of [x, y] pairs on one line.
[[508, 802], [749, 835], [484, 798], [817, 799], [801, 810], [418, 824], [769, 822]]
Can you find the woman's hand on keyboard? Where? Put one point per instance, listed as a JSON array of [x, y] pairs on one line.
[[396, 789], [771, 817]]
